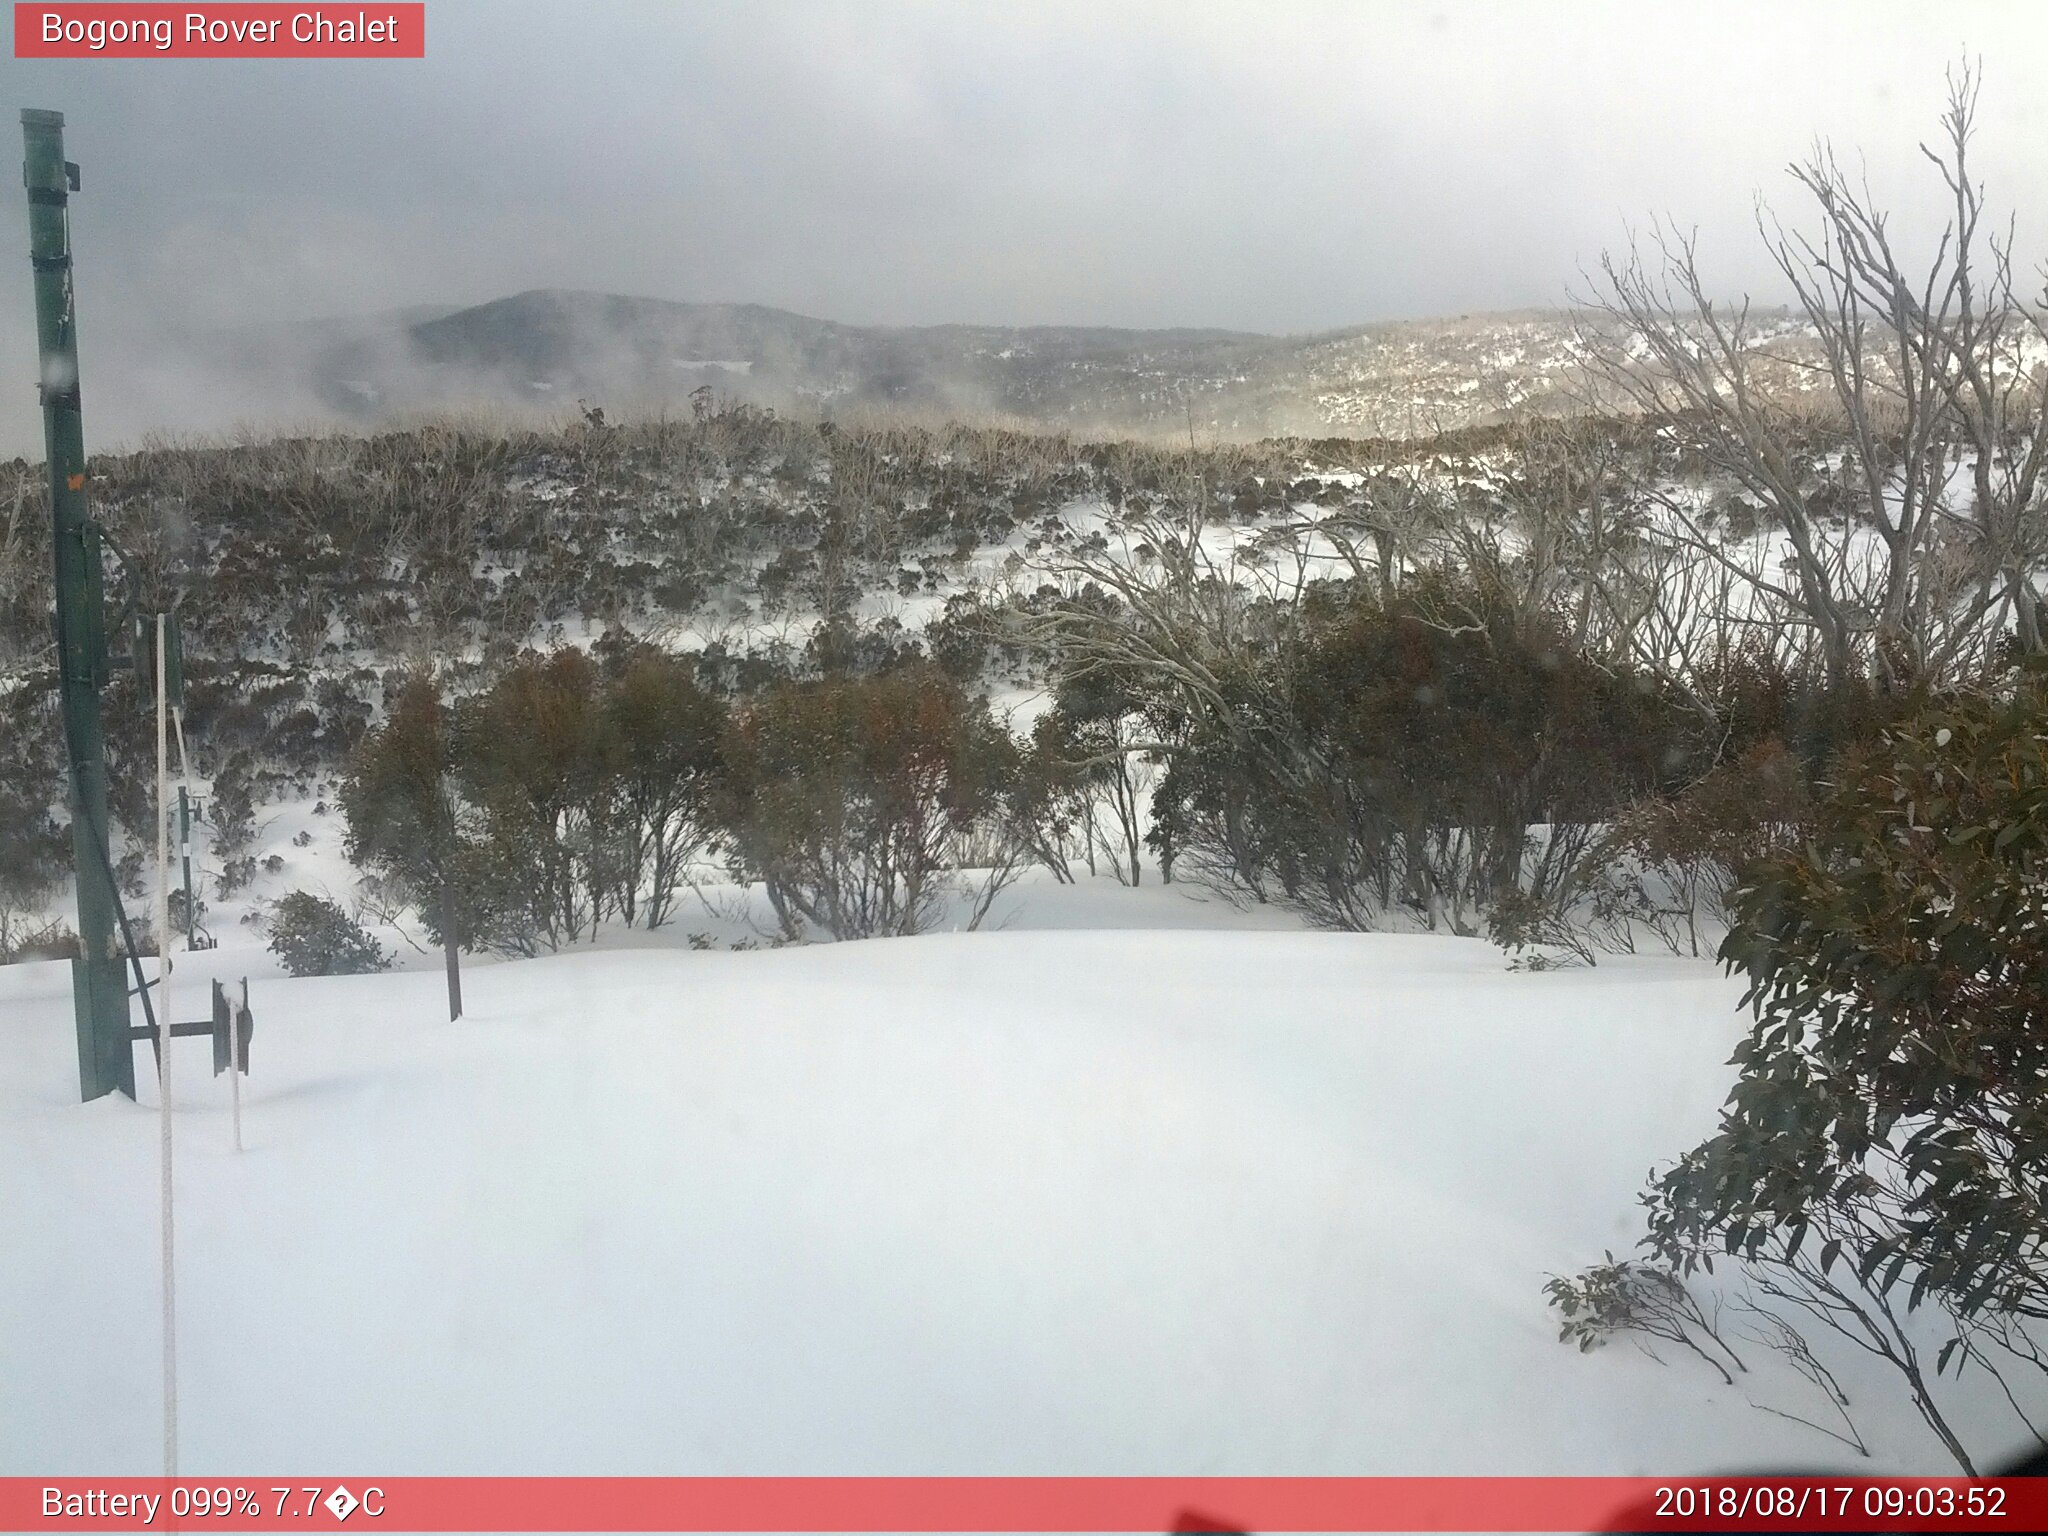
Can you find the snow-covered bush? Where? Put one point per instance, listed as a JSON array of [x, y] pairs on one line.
[[52, 940], [311, 936]]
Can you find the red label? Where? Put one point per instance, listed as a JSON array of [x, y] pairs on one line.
[[103, 31], [1071, 1504]]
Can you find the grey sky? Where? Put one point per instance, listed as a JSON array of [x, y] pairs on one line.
[[1267, 166]]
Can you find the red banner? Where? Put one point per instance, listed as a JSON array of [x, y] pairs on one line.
[[103, 31], [1156, 1504]]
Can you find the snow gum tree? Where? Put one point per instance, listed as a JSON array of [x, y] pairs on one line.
[[857, 800], [406, 823], [1909, 493], [572, 790], [659, 744], [1885, 1146], [1093, 730], [528, 754]]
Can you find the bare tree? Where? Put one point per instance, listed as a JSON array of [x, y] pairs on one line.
[[24, 559], [1150, 600], [1908, 492]]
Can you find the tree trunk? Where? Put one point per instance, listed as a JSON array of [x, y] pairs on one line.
[[449, 946]]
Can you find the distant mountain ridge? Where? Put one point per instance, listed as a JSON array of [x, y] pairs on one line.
[[557, 346], [536, 355]]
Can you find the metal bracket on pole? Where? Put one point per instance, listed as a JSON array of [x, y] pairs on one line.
[[229, 1028]]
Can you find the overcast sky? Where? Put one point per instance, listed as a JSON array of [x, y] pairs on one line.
[[1267, 166]]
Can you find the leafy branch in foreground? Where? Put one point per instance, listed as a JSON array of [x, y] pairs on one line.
[[1885, 1146], [1630, 1296]]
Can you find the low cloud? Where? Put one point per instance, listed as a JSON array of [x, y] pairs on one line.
[[1271, 167]]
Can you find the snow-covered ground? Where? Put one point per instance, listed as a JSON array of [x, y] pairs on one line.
[[1137, 1184]]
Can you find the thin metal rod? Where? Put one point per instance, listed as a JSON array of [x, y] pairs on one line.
[[163, 1045]]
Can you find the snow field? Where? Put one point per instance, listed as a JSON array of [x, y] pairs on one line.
[[1061, 1199]]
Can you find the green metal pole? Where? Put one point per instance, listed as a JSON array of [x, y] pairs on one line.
[[185, 854], [99, 988], [450, 936]]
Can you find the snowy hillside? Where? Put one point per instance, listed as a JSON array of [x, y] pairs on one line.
[[1043, 1200], [542, 350]]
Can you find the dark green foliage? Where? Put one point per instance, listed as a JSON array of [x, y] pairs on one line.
[[1898, 968], [1886, 1143], [404, 822], [54, 940], [1093, 734], [1629, 1296], [313, 937], [659, 748], [843, 645], [1411, 753], [571, 790]]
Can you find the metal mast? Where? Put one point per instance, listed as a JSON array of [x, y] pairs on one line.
[[99, 989]]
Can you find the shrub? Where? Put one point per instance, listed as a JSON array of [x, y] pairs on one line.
[[1897, 966], [528, 754], [1092, 734], [659, 742], [53, 940], [1886, 1142], [854, 799], [234, 874], [1435, 752], [570, 791], [312, 936], [1677, 858], [33, 846], [406, 824], [1627, 1296]]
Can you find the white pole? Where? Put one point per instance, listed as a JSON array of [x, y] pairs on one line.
[[234, 1014], [163, 1049]]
